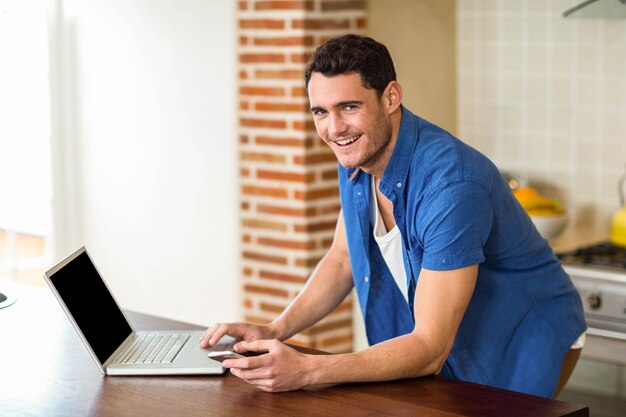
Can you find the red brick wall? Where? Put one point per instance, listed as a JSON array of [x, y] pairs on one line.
[[290, 201]]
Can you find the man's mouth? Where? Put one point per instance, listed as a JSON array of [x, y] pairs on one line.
[[348, 141]]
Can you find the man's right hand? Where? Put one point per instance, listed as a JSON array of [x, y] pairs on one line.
[[244, 331]]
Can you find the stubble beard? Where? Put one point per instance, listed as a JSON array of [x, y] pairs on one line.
[[381, 137]]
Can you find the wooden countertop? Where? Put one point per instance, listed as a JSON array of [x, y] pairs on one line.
[[46, 371]]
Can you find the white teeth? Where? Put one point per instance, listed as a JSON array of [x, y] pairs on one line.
[[347, 141]]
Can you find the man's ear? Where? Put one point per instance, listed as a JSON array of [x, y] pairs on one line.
[[392, 96]]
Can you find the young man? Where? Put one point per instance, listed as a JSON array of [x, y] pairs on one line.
[[451, 275]]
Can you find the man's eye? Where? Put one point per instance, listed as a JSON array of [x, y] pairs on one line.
[[318, 113], [350, 108]]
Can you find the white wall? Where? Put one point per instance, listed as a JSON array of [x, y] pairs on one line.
[[154, 107]]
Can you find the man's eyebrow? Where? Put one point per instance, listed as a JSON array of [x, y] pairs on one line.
[[347, 103], [338, 105]]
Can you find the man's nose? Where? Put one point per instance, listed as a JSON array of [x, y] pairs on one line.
[[336, 125]]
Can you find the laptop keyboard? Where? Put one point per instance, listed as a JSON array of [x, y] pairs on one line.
[[154, 348]]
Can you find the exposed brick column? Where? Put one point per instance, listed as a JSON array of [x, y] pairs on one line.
[[290, 198]]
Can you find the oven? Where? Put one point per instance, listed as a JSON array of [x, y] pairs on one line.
[[599, 274]]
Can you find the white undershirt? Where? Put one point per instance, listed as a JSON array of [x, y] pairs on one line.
[[390, 244]]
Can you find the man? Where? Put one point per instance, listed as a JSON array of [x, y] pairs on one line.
[[451, 275]]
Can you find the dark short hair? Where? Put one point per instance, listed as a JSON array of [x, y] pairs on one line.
[[353, 53]]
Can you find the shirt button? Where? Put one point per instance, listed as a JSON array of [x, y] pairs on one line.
[[367, 279], [358, 193], [399, 185]]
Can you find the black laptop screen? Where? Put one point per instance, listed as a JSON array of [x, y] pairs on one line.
[[91, 305]]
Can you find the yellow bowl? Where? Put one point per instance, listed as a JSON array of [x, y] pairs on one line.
[[550, 226]]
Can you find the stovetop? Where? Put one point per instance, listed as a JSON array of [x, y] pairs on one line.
[[603, 255]]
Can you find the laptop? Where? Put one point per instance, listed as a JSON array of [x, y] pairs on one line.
[[115, 346]]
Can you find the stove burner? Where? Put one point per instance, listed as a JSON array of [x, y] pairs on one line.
[[604, 255]]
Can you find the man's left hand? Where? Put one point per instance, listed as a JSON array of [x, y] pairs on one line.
[[282, 368]]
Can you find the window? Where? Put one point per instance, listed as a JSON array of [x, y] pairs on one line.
[[25, 183]]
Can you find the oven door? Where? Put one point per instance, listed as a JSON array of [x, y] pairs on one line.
[[603, 294], [599, 378], [605, 345]]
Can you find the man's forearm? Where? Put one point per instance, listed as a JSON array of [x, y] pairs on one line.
[[441, 299], [406, 356], [327, 287]]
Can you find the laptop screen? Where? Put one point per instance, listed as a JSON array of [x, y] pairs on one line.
[[91, 305]]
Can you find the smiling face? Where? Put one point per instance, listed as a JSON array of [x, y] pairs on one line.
[[358, 126]]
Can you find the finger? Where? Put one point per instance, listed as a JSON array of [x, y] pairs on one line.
[[268, 385], [220, 332], [244, 363], [207, 334], [209, 331], [213, 335], [255, 346], [262, 373]]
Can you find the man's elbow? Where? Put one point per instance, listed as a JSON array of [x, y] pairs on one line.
[[438, 363], [434, 364], [436, 358]]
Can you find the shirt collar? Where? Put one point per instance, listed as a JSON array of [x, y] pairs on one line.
[[398, 167]]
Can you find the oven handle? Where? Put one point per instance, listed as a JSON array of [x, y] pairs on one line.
[[606, 333]]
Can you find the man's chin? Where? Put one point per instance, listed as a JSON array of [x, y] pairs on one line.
[[347, 164], [350, 160]]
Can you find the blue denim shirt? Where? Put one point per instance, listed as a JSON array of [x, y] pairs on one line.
[[454, 209]]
